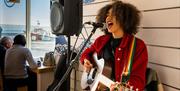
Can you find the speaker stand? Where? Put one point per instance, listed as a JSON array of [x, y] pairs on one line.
[[68, 63], [72, 64]]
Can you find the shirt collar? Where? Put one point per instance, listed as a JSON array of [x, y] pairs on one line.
[[125, 40]]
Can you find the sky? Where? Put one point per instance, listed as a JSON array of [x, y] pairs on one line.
[[40, 11]]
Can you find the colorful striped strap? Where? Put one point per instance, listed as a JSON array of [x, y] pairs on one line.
[[128, 65]]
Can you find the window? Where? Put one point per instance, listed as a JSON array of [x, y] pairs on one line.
[[42, 40], [12, 19], [13, 22]]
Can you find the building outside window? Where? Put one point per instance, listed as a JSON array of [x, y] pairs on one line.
[[42, 40]]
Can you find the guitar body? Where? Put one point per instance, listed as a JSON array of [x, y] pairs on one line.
[[90, 81]]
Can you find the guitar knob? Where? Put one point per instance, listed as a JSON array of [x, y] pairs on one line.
[[90, 81]]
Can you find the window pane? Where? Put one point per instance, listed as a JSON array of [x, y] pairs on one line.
[[12, 19], [42, 40]]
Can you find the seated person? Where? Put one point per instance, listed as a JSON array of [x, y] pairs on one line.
[[5, 43], [15, 71]]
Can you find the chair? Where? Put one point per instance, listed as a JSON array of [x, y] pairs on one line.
[[1, 82], [22, 88], [153, 82]]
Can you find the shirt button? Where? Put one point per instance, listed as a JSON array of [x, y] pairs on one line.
[[118, 59], [119, 49]]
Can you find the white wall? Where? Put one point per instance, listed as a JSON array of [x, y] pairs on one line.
[[160, 29], [161, 32]]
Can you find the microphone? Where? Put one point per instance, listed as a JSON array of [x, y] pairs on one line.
[[97, 25]]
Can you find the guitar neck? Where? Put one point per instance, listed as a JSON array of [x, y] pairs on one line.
[[102, 79], [106, 81]]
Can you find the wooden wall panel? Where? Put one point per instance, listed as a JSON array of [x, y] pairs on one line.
[[165, 56], [162, 18], [98, 1], [89, 18], [166, 88], [162, 37], [92, 9], [81, 39], [78, 82], [168, 75], [154, 4]]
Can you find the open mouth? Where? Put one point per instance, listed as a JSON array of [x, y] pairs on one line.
[[109, 25]]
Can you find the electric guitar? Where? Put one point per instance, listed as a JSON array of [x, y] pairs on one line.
[[92, 79]]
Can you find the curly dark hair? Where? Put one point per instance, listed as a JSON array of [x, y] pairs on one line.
[[101, 16], [20, 40], [126, 14]]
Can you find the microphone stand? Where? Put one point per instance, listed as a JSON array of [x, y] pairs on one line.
[[75, 62]]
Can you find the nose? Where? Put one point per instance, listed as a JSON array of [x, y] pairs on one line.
[[108, 18]]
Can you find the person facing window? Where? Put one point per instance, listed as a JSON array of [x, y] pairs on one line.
[[16, 73]]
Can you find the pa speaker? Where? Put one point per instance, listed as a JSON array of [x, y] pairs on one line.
[[66, 17]]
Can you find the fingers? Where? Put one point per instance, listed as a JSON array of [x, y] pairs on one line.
[[115, 86], [87, 65], [112, 87]]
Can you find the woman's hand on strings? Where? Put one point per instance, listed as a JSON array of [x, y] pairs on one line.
[[87, 65]]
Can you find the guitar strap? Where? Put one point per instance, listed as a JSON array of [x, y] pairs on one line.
[[128, 66]]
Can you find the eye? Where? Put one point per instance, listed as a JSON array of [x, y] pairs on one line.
[[107, 14]]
